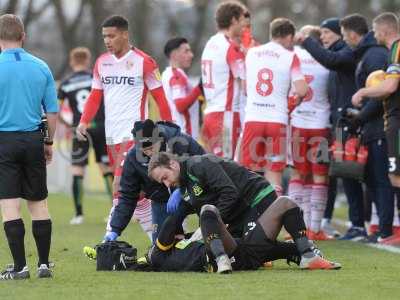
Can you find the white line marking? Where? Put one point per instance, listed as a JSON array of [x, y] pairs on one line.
[[388, 248]]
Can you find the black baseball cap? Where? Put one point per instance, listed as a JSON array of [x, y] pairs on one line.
[[146, 133]]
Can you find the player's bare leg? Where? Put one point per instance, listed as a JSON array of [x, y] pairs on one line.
[[284, 211], [395, 180], [275, 178]]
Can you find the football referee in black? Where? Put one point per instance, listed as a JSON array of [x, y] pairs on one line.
[[27, 89]]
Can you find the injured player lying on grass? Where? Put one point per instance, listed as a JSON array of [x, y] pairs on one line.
[[222, 253], [219, 252]]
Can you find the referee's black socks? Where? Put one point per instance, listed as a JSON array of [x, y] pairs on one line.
[[41, 230], [211, 232], [15, 232]]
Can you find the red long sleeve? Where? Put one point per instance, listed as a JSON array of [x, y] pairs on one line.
[[92, 106], [183, 104], [159, 96]]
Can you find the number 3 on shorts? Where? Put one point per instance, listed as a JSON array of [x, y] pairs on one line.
[[392, 164]]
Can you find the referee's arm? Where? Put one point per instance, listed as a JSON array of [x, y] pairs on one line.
[[51, 108], [52, 123]]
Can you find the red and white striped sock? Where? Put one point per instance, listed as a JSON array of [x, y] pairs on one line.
[[295, 191], [143, 215], [319, 197], [278, 190], [306, 204]]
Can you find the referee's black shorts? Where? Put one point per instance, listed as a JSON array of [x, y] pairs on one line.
[[22, 166]]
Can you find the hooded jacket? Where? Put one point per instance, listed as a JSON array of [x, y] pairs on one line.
[[135, 180], [370, 57], [232, 188]]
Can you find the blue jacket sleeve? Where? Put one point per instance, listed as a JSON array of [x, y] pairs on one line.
[[332, 60], [195, 148], [184, 144], [130, 187]]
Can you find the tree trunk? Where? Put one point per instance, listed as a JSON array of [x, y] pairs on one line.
[[68, 31]]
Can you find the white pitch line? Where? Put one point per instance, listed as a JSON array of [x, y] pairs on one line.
[[388, 248], [392, 249]]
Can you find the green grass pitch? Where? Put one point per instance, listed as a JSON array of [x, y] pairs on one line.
[[366, 274]]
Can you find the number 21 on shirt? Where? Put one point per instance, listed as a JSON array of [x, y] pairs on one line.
[[206, 69]]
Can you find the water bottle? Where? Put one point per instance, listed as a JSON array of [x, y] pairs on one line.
[[362, 155], [350, 149]]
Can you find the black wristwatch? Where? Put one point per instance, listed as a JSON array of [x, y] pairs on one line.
[[48, 143]]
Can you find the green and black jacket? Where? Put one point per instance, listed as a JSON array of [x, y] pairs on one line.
[[233, 189]]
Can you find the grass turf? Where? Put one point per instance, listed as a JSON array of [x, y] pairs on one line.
[[366, 274]]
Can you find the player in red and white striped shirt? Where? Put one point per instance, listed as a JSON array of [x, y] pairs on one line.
[[122, 78], [309, 138], [271, 69], [223, 75], [182, 97]]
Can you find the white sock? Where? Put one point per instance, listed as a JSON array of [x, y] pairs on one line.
[[306, 204], [374, 215], [319, 197], [143, 215], [396, 221], [108, 226], [295, 192]]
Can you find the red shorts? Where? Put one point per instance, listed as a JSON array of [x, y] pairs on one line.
[[310, 150], [264, 146], [220, 132], [116, 154]]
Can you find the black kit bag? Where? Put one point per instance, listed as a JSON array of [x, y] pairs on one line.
[[115, 256]]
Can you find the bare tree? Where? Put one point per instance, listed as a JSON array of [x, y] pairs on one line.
[[391, 5], [139, 19], [10, 7], [201, 7], [30, 13], [68, 30]]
